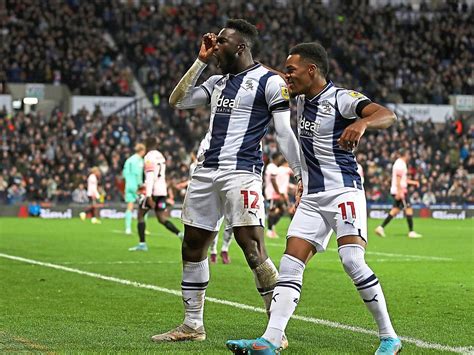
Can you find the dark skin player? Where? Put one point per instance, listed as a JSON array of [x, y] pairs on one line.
[[233, 56], [304, 77]]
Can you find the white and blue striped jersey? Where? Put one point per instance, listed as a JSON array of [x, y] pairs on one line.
[[241, 111], [321, 121]]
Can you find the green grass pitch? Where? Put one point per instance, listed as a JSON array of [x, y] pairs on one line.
[[428, 284]]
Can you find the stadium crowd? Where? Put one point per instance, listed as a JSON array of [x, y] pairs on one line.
[[38, 45], [392, 54], [46, 158]]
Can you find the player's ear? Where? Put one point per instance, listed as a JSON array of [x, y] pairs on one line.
[[240, 48], [313, 70]]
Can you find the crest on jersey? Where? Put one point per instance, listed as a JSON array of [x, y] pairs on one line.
[[249, 85], [356, 94], [326, 106], [284, 93]]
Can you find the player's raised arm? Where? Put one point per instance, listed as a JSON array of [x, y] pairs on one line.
[[186, 94]]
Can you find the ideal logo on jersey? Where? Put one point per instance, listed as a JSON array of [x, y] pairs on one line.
[[309, 128], [225, 105]]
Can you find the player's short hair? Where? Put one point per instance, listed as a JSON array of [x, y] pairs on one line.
[[139, 147], [403, 151], [276, 156], [151, 142], [248, 31], [315, 53]]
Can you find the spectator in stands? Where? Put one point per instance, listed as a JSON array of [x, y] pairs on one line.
[[79, 195], [456, 193], [3, 190], [15, 194], [415, 198], [429, 198]]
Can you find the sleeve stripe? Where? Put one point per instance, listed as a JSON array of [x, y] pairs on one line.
[[282, 105], [361, 105], [207, 93]]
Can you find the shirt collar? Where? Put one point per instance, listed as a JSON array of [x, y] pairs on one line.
[[254, 66], [326, 88]]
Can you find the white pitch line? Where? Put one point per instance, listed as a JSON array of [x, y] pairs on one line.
[[118, 262], [117, 231], [419, 257], [417, 342]]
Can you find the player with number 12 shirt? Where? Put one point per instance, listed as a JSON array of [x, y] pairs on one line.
[[227, 183]]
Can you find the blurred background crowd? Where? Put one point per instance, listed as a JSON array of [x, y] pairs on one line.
[[391, 54]]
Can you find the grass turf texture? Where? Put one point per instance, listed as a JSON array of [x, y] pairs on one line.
[[48, 310]]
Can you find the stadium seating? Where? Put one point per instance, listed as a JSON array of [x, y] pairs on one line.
[[392, 54]]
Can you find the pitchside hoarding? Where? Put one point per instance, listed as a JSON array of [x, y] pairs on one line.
[[117, 211]]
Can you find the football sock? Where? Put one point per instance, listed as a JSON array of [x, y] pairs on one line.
[[387, 220], [128, 220], [277, 217], [91, 211], [266, 276], [213, 247], [226, 239], [193, 289], [352, 257], [170, 226], [410, 223], [286, 296], [141, 231], [272, 219]]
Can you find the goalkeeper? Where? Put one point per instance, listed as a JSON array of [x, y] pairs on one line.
[[133, 175]]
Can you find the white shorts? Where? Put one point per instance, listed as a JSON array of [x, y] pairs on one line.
[[213, 194], [318, 215]]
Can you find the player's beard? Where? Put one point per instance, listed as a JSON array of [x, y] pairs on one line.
[[226, 62]]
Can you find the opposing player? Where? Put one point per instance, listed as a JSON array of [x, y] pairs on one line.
[[399, 190], [272, 193], [226, 240], [154, 196], [331, 121], [93, 195], [283, 177], [227, 182], [133, 175]]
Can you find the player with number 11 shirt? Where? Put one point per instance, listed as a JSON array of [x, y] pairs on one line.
[[331, 120]]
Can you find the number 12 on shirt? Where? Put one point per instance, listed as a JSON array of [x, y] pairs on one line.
[[253, 195]]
